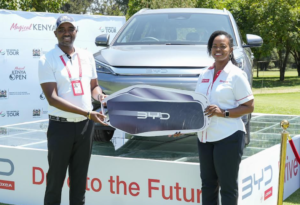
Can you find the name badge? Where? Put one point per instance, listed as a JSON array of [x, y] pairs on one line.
[[77, 87]]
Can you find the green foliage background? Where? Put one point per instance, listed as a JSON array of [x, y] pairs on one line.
[[276, 21], [33, 5]]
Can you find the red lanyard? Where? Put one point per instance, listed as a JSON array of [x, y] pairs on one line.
[[79, 63]]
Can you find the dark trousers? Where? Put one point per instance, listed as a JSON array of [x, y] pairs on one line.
[[219, 167], [69, 146]]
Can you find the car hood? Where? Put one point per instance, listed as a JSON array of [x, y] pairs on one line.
[[155, 56]]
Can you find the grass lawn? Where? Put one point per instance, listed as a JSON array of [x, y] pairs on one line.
[[294, 199], [276, 97], [277, 103], [268, 82]]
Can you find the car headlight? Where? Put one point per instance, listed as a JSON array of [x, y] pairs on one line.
[[240, 62], [103, 68]]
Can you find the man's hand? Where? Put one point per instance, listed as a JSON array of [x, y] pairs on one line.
[[98, 117]]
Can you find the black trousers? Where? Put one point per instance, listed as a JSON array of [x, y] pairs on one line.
[[69, 147], [219, 167]]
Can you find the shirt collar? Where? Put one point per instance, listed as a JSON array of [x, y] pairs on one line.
[[227, 68], [61, 53]]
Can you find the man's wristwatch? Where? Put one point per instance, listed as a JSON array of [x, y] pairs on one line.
[[226, 113]]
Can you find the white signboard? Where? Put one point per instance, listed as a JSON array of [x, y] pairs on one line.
[[114, 180], [24, 37]]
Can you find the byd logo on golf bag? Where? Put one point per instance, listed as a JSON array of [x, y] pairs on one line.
[[4, 164], [256, 182], [153, 115]]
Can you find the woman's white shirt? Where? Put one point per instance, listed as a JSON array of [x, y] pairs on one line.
[[230, 89]]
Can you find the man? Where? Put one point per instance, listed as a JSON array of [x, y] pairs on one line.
[[68, 78]]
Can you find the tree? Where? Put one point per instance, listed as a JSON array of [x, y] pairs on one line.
[[273, 20], [33, 5], [123, 5], [136, 5], [213, 4], [296, 38], [106, 7], [77, 6]]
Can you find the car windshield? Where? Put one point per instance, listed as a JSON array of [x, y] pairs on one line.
[[173, 29]]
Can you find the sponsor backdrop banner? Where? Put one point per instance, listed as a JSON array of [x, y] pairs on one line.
[[24, 37], [113, 180]]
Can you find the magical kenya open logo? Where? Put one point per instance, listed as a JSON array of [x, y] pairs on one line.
[[29, 27]]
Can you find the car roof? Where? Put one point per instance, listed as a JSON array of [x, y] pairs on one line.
[[182, 10]]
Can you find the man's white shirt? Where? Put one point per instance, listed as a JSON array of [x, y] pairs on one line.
[[230, 89], [52, 69]]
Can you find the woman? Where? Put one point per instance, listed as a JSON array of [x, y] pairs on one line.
[[221, 145]]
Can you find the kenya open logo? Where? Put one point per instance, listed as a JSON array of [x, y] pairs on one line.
[[18, 74], [35, 27]]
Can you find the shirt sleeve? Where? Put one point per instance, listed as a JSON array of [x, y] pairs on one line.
[[242, 89], [45, 71]]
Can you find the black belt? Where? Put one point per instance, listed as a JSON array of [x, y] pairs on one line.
[[55, 118]]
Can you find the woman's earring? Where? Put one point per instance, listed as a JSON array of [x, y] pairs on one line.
[[230, 56]]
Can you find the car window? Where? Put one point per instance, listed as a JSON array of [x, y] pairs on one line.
[[173, 28]]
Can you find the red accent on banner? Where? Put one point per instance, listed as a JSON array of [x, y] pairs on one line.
[[268, 193], [34, 179], [9, 185], [295, 150]]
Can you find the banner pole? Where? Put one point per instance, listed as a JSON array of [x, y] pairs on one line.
[[284, 136]]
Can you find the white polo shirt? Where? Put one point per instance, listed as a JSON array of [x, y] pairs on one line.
[[52, 69], [230, 89]]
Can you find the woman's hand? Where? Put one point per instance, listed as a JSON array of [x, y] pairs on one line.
[[213, 110]]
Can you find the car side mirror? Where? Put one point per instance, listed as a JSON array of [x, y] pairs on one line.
[[253, 41], [102, 40]]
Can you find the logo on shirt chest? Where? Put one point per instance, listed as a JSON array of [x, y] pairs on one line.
[[205, 81], [224, 81]]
